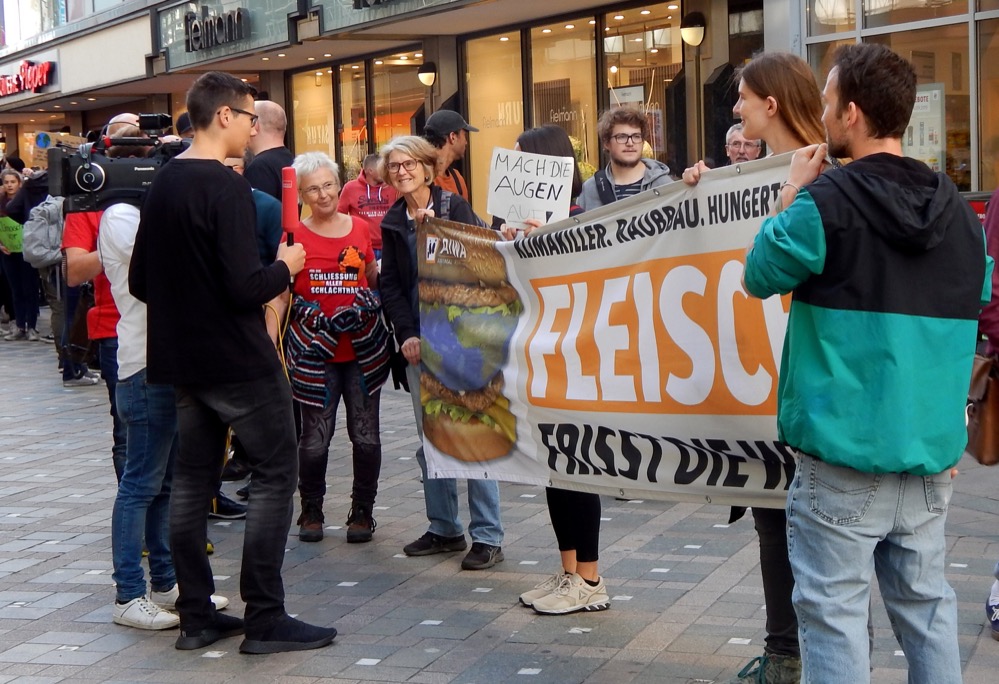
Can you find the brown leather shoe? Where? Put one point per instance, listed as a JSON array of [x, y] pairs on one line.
[[360, 525], [310, 522]]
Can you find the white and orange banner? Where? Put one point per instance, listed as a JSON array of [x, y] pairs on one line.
[[614, 352]]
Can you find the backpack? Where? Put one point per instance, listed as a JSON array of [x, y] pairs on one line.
[[43, 233]]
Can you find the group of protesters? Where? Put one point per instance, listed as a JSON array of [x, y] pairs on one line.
[[229, 353]]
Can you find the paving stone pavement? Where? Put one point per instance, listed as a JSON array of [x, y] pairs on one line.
[[687, 601]]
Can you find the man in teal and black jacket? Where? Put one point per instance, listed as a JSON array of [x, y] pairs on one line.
[[888, 271]]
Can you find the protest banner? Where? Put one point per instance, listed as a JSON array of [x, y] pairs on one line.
[[615, 352], [11, 234], [524, 185]]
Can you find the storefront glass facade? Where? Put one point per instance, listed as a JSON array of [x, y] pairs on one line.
[[348, 110], [952, 127], [639, 47]]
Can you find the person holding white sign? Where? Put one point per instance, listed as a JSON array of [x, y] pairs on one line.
[[779, 102]]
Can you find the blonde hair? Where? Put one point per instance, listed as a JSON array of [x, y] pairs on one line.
[[416, 147]]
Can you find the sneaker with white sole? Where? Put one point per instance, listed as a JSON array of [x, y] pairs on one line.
[[992, 613], [548, 586], [571, 595], [143, 614], [168, 599]]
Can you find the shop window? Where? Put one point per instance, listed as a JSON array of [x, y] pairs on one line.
[[398, 96], [312, 111], [563, 69], [494, 84], [643, 53], [890, 12], [988, 104], [353, 133], [820, 58], [830, 16], [939, 132]]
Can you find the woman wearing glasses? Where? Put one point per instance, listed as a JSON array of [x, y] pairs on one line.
[[337, 347], [407, 163], [623, 132], [780, 103]]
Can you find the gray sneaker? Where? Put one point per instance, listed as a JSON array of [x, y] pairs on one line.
[[31, 335], [82, 381], [770, 669], [16, 335], [481, 556]]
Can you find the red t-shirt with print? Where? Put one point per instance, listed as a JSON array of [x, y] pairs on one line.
[[334, 271]]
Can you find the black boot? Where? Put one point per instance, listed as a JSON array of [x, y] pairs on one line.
[[310, 522], [360, 524]]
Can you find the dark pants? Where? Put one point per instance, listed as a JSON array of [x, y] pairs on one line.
[[53, 287], [576, 521], [260, 411], [778, 582], [70, 368], [107, 350], [342, 380], [23, 280]]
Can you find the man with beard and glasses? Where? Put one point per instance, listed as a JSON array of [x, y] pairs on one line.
[[623, 132]]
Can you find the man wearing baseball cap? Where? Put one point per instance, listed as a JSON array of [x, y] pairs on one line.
[[448, 132]]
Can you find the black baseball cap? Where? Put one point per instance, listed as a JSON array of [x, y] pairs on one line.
[[444, 122]]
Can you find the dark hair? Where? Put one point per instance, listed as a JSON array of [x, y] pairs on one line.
[[628, 116], [880, 82], [553, 141], [212, 91], [788, 79], [436, 139]]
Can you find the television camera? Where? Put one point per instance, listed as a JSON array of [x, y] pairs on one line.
[[92, 181]]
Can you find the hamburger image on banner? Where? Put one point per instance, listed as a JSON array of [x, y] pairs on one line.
[[468, 313]]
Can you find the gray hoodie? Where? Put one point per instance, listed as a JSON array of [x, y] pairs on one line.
[[656, 175]]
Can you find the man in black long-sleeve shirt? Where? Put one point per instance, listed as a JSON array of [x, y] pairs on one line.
[[195, 264]]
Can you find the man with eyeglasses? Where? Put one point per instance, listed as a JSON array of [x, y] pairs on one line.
[[738, 148], [269, 152], [623, 132], [195, 265]]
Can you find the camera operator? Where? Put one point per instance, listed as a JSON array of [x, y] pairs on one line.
[[142, 503], [79, 243]]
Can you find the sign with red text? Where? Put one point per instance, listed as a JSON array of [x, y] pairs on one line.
[[614, 352], [29, 77]]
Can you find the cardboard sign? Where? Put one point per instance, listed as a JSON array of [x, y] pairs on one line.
[[11, 234], [524, 185]]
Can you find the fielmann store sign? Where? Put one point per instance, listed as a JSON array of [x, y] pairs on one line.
[[194, 32]]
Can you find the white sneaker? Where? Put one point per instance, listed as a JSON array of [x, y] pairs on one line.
[[571, 595], [168, 599], [143, 614], [548, 586]]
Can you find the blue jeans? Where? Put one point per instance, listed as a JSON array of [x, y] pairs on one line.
[[440, 495], [108, 355], [260, 412], [844, 527], [142, 506]]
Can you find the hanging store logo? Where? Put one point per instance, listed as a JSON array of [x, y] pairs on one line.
[[209, 30], [29, 77]]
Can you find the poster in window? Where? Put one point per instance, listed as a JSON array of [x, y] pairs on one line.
[[924, 138]]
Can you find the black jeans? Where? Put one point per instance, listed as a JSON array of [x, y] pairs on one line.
[[342, 380], [778, 582], [260, 410], [107, 354]]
